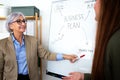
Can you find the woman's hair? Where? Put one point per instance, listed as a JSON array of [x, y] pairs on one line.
[[13, 16], [108, 23]]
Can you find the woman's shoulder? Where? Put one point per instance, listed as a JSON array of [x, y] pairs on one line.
[[3, 43], [115, 39], [3, 40], [113, 46], [29, 37]]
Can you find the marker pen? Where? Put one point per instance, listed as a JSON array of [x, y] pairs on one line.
[[82, 56]]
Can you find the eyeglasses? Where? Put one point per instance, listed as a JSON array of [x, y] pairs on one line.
[[20, 21]]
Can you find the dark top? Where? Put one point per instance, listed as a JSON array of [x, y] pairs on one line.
[[112, 59]]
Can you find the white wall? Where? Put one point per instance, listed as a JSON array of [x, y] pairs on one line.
[[45, 7]]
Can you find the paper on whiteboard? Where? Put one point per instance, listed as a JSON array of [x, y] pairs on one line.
[[72, 31]]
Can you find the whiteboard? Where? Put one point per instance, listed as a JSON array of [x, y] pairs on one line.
[[72, 31]]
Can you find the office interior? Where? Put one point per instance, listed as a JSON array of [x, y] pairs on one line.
[[43, 23]]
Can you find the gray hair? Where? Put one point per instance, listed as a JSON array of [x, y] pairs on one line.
[[11, 18]]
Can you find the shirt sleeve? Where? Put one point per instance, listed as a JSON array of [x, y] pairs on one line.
[[87, 76], [59, 57]]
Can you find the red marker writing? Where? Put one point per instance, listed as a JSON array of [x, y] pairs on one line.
[[82, 55]]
